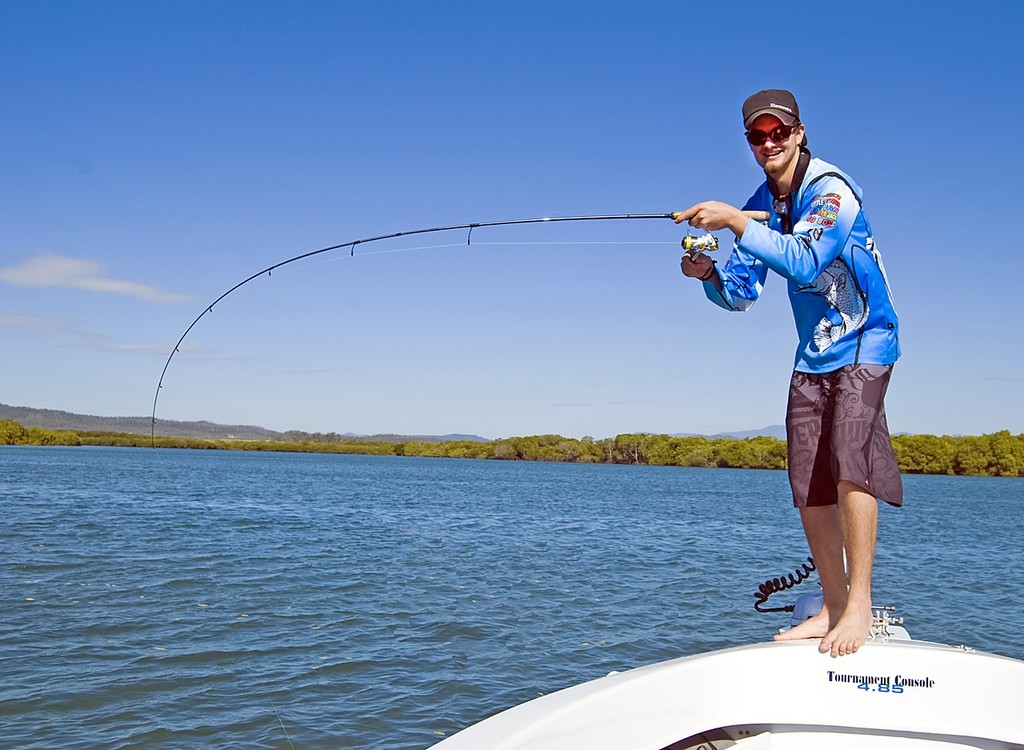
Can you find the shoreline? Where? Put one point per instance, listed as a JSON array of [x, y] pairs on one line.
[[996, 454]]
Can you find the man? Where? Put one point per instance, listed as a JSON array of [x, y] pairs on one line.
[[841, 459]]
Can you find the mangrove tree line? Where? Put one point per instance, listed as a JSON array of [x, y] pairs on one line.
[[997, 454]]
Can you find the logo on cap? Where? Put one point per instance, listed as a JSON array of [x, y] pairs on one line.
[[771, 101]]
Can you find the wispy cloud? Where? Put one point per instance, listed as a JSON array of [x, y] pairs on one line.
[[90, 340], [61, 272], [32, 322]]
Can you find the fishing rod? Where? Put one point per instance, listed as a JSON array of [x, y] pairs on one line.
[[693, 245]]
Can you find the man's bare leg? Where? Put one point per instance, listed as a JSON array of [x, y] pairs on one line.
[[858, 520], [825, 537]]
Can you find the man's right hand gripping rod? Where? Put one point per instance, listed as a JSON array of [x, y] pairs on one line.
[[694, 246]]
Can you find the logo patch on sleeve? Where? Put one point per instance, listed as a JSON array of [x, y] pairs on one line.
[[825, 210]]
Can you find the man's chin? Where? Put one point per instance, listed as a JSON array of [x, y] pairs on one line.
[[775, 166]]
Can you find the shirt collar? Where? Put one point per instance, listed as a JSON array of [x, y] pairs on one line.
[[802, 162]]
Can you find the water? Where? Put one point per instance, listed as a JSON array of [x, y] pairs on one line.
[[175, 599]]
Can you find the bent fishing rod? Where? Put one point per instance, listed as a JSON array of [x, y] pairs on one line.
[[691, 244]]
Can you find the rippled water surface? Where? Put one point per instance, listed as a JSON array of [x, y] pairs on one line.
[[163, 599]]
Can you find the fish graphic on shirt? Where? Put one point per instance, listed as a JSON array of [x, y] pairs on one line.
[[839, 288]]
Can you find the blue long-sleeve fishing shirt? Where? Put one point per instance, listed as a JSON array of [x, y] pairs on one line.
[[838, 289]]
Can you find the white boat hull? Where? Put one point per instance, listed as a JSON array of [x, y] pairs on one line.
[[893, 693]]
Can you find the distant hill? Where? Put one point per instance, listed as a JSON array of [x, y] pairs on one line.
[[772, 430], [392, 438], [52, 419]]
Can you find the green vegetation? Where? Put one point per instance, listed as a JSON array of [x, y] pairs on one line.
[[999, 454], [12, 433]]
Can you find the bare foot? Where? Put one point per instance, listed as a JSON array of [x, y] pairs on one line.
[[813, 627], [850, 632]]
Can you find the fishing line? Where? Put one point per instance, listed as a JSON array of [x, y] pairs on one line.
[[503, 243], [367, 254], [581, 242], [352, 246]]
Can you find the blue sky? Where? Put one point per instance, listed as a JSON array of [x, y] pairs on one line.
[[154, 154]]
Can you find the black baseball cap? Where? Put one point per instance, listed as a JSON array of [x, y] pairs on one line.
[[777, 102]]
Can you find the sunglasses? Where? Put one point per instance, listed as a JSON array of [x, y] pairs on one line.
[[780, 134]]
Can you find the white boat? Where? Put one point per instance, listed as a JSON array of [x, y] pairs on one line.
[[894, 692]]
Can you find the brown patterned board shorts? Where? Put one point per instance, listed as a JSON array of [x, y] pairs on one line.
[[836, 430]]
